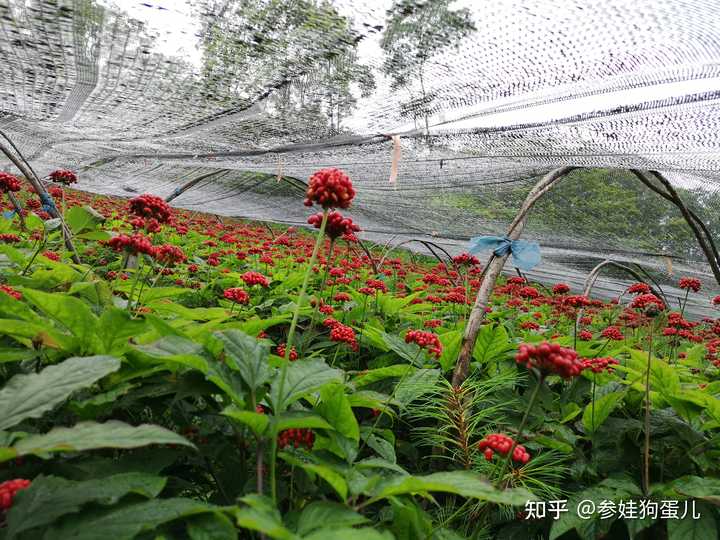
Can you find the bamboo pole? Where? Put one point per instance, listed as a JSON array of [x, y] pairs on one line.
[[493, 269]]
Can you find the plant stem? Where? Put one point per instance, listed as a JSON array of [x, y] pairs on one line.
[[288, 347], [533, 397], [138, 271], [646, 450]]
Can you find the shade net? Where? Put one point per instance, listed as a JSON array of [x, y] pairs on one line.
[[253, 96]]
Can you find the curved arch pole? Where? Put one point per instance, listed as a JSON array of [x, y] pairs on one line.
[[492, 271], [595, 274], [706, 242]]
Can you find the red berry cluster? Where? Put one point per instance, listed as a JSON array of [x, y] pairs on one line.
[[497, 442], [7, 289], [64, 176], [330, 188], [337, 225], [169, 254], [639, 288], [561, 288], [432, 323], [613, 333], [341, 333], [151, 207], [342, 297], [598, 365], [716, 301], [8, 489], [8, 238], [137, 243], [255, 278], [296, 437], [281, 350], [528, 292], [644, 300], [426, 340], [51, 255], [377, 284], [585, 335], [576, 301], [550, 358], [691, 284], [465, 259], [237, 295], [8, 183]]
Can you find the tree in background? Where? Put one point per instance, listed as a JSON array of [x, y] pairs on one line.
[[417, 30], [299, 55]]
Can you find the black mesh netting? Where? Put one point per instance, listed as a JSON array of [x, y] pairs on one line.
[[486, 97]]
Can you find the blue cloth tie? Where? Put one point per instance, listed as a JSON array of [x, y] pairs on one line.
[[47, 203], [9, 214], [525, 255]]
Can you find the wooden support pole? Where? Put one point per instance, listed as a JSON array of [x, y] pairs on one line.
[[31, 177], [493, 269]]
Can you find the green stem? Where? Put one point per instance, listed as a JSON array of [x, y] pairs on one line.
[[646, 449], [533, 397], [138, 270], [288, 347]]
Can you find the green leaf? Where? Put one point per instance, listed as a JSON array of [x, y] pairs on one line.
[[416, 385], [299, 419], [69, 312], [332, 477], [368, 377], [327, 515], [215, 526], [699, 487], [32, 395], [176, 350], [260, 515], [603, 407], [115, 327], [451, 342], [302, 377], [39, 333], [492, 342], [256, 421], [91, 435], [384, 448], [663, 378], [336, 408], [689, 528], [127, 522], [12, 354], [82, 218], [247, 355], [365, 533], [49, 497], [16, 309], [464, 483], [408, 351], [99, 236]]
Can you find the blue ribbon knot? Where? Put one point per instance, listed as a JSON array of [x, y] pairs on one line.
[[525, 255], [47, 203]]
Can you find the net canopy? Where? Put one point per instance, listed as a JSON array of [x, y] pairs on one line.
[[486, 97]]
